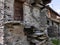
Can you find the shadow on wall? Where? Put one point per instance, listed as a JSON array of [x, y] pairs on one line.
[[52, 31]]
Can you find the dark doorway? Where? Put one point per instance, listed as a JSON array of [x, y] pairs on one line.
[[18, 10]]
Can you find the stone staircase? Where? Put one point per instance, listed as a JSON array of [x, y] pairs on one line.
[[37, 38]]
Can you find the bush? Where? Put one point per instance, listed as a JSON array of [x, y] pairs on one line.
[[55, 41]]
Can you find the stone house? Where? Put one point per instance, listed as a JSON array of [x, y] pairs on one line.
[[15, 15], [53, 22]]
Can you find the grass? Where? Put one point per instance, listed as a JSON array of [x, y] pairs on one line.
[[55, 41]]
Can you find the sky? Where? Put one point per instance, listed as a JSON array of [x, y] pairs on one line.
[[55, 4]]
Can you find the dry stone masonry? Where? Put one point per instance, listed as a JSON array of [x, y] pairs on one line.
[[1, 21], [34, 20], [14, 34], [8, 10], [33, 16]]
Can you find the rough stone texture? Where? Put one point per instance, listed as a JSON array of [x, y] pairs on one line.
[[52, 31], [59, 28], [8, 10], [43, 20], [53, 28], [34, 17], [14, 35], [1, 21]]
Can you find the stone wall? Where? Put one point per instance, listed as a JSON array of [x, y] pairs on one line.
[[1, 21], [14, 34], [34, 17], [31, 14], [8, 10], [53, 28], [43, 20]]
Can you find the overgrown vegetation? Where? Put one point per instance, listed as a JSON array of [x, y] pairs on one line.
[[55, 41]]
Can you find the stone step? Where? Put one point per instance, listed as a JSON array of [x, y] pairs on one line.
[[39, 34], [42, 37]]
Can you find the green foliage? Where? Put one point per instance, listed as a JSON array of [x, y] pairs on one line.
[[55, 41]]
